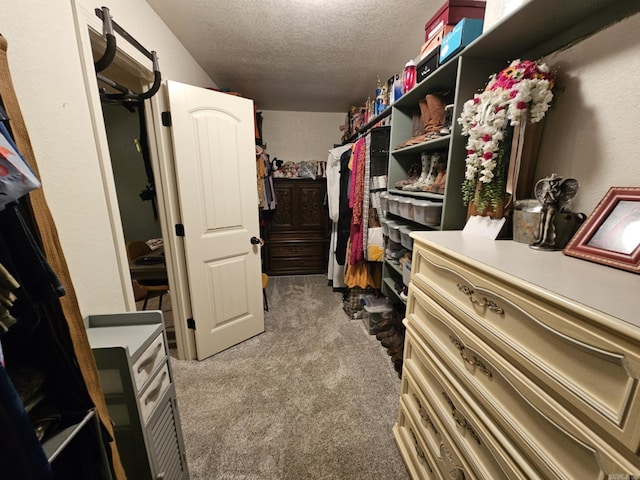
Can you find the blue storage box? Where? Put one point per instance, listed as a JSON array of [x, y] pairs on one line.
[[465, 32]]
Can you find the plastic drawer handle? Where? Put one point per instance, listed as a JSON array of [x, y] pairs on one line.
[[153, 393], [150, 359]]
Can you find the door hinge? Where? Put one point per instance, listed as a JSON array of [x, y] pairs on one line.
[[179, 230], [166, 118], [191, 323]]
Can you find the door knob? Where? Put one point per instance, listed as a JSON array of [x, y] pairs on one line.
[[256, 241]]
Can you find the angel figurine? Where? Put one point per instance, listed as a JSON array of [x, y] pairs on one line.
[[554, 194]]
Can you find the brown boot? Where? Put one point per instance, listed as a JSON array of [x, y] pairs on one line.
[[392, 341], [436, 105], [386, 333], [427, 119], [426, 123], [440, 186], [395, 351]]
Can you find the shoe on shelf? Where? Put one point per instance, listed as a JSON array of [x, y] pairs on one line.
[[412, 176], [440, 186], [435, 159], [425, 164], [386, 333], [395, 351], [448, 120], [438, 182], [393, 341], [436, 105]]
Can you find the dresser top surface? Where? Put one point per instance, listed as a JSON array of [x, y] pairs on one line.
[[608, 290]]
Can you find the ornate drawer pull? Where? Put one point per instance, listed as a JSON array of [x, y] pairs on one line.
[[150, 359], [426, 419], [460, 419], [419, 450], [475, 362], [490, 304]]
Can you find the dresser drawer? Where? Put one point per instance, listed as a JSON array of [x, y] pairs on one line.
[[298, 249], [144, 366], [545, 433], [566, 348], [447, 415], [484, 455], [298, 265], [152, 395], [416, 457]]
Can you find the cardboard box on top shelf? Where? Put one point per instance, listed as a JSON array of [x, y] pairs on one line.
[[451, 13]]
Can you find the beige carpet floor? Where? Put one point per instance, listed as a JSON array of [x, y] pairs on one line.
[[313, 397]]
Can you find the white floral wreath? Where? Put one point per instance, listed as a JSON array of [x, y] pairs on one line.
[[524, 86]]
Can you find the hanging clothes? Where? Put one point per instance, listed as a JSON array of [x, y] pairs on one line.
[[59, 345], [356, 201], [22, 455], [7, 298], [266, 192], [344, 213], [333, 180], [335, 270], [363, 274]]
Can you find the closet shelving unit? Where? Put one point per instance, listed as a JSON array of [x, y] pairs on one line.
[[538, 28], [447, 78]]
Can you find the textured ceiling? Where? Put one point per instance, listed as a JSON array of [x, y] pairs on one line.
[[300, 55]]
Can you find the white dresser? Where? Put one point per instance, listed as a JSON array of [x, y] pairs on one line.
[[518, 364], [133, 363]]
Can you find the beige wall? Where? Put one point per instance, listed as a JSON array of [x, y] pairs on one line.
[[591, 135], [297, 136]]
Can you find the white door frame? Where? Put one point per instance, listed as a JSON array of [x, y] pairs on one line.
[[87, 23]]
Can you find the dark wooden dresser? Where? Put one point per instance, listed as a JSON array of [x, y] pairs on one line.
[[297, 235]]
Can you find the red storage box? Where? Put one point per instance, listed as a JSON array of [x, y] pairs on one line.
[[451, 13]]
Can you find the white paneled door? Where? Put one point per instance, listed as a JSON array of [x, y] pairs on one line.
[[213, 138]]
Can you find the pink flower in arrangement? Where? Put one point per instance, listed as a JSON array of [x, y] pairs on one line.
[[487, 115]]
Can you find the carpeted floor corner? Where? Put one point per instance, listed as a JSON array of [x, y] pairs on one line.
[[313, 397]]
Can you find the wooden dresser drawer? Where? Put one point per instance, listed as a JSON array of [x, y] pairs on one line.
[[431, 412], [297, 249], [453, 418], [416, 456], [543, 431], [572, 352], [298, 264]]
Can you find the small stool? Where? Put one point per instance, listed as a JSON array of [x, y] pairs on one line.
[[265, 282]]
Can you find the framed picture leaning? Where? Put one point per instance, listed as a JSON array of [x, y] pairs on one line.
[[611, 234]]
